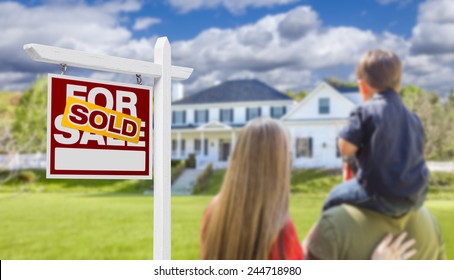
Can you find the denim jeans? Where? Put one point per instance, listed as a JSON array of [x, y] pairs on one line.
[[351, 192]]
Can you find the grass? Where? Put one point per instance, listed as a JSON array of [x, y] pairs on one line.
[[109, 219], [35, 181]]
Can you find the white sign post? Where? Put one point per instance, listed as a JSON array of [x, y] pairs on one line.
[[163, 72]]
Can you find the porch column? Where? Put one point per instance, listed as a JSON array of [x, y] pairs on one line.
[[179, 145], [202, 144]]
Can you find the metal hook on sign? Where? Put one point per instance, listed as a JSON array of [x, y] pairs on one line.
[[139, 79], [64, 67]]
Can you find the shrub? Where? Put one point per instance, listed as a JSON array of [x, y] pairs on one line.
[[191, 162], [202, 180], [27, 176], [177, 170]]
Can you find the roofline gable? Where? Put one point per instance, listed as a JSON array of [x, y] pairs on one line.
[[220, 126], [311, 95]]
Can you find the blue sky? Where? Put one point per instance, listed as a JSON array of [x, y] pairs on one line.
[[289, 44]]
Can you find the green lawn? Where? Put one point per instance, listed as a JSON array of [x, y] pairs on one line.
[[120, 226], [111, 219]]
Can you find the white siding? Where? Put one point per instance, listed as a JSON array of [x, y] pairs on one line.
[[189, 116], [266, 111], [308, 109], [214, 114], [239, 115], [323, 144]]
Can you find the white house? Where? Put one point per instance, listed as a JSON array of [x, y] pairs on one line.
[[315, 123], [206, 123]]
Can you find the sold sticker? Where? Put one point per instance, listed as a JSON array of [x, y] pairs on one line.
[[89, 117], [98, 129]]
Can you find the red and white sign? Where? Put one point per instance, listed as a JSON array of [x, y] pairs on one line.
[[93, 129]]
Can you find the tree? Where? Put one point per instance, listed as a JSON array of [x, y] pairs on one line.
[[8, 147], [437, 119], [30, 123], [298, 96], [338, 83]]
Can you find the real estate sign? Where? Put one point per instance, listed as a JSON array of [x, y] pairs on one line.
[[98, 129]]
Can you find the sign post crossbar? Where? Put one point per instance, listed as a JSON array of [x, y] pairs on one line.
[[163, 72]]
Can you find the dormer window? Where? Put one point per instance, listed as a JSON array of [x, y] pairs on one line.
[[226, 115], [178, 117], [323, 106], [252, 113], [201, 116], [278, 112]]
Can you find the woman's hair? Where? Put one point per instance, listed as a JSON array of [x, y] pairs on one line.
[[252, 206]]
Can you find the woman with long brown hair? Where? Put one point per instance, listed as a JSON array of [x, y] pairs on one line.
[[249, 219], [251, 211]]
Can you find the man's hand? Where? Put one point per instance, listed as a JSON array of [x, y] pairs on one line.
[[394, 250]]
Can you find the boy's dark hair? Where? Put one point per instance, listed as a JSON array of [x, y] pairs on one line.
[[381, 69]]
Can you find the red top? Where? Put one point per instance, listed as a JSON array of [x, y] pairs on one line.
[[286, 245]]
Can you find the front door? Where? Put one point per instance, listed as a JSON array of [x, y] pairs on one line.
[[224, 150]]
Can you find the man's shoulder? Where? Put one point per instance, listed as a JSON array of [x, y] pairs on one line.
[[344, 215]]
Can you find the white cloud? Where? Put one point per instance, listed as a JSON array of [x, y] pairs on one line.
[[284, 57], [298, 22], [234, 6], [291, 50], [70, 25], [145, 22], [400, 2], [433, 34], [430, 62]]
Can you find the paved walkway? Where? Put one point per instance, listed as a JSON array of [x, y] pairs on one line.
[[440, 166], [185, 183]]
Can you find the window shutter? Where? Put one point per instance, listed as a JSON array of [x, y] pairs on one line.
[[260, 112], [284, 110], [206, 116], [310, 147], [272, 112], [221, 119], [247, 114], [297, 147], [231, 115], [184, 116], [196, 120], [205, 146], [183, 145]]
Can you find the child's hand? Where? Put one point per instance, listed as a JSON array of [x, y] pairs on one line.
[[396, 250]]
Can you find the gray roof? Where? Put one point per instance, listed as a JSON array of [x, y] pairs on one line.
[[346, 89], [235, 91]]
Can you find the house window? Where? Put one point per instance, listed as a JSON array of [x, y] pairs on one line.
[[252, 113], [226, 115], [323, 106], [304, 147], [278, 112], [178, 117], [183, 147], [197, 146], [201, 116]]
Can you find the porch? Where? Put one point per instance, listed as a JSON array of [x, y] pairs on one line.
[[209, 143]]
